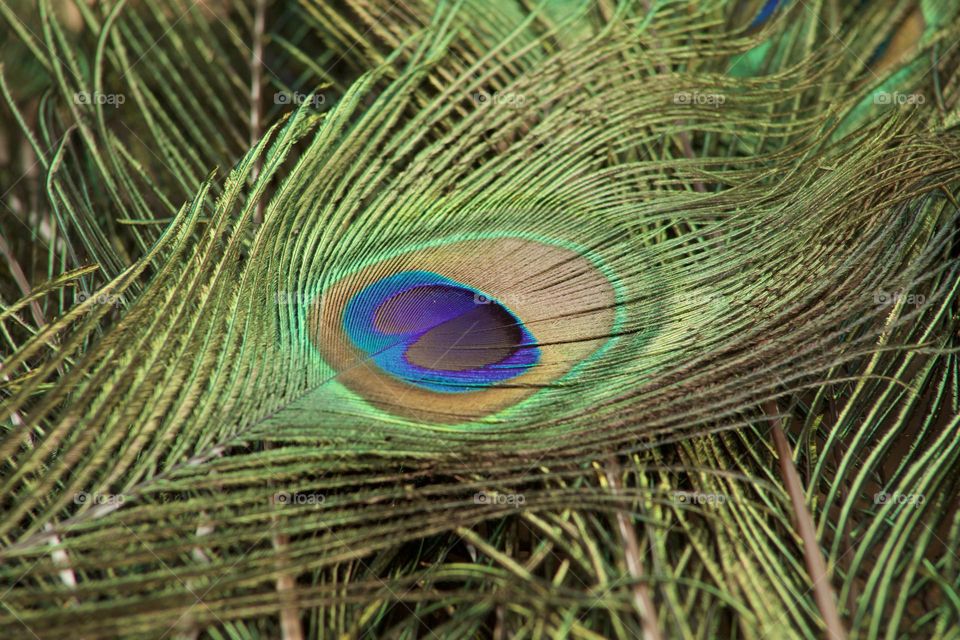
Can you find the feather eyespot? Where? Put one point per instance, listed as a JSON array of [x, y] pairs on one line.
[[438, 334], [456, 332]]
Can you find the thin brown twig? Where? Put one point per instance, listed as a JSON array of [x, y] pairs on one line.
[[256, 87], [290, 628], [62, 560], [21, 279], [642, 599], [286, 582], [823, 592]]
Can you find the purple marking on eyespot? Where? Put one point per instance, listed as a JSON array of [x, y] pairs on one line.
[[439, 334]]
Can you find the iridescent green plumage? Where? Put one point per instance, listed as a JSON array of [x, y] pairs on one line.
[[709, 225]]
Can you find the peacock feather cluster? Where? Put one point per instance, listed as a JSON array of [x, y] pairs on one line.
[[480, 319]]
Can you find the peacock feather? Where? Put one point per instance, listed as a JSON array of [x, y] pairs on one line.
[[480, 319]]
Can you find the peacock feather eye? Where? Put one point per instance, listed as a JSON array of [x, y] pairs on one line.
[[438, 334], [453, 332]]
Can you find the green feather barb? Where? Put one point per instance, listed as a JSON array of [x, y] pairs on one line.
[[474, 319]]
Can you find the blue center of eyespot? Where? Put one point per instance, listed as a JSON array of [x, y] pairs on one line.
[[437, 333]]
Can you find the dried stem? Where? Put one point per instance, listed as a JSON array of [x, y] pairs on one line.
[[642, 599], [256, 87], [823, 591]]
